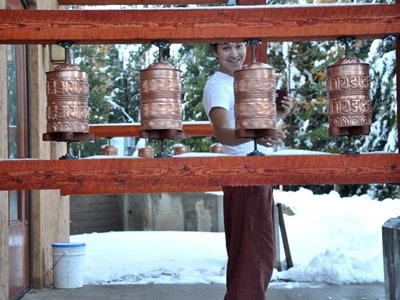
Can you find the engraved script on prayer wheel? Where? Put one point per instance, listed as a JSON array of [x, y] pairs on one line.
[[255, 107], [160, 92], [67, 100], [348, 88]]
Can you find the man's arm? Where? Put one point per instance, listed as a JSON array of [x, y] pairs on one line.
[[220, 120]]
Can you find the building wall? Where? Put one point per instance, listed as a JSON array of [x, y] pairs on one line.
[[163, 211], [3, 243], [95, 213], [49, 218], [3, 154], [49, 211], [173, 211]]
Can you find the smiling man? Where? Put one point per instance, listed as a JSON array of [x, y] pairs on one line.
[[248, 211]]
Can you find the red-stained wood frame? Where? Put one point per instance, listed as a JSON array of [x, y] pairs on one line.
[[127, 175], [191, 129], [140, 2], [200, 25]]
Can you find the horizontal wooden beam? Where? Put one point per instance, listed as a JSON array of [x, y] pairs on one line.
[[193, 129], [202, 25], [137, 175], [139, 2]]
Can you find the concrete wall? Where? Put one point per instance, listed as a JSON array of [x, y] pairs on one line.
[[175, 211], [165, 211], [92, 213]]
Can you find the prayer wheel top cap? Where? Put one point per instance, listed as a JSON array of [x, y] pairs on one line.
[[348, 61], [67, 67], [257, 65], [161, 65]]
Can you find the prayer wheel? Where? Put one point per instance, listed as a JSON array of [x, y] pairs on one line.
[[146, 152], [255, 107], [67, 100], [109, 150], [180, 149], [160, 92], [348, 89]]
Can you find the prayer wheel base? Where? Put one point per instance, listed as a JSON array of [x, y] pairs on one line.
[[255, 133], [349, 131], [162, 134], [68, 136]]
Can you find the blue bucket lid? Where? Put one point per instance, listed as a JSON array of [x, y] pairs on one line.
[[68, 245]]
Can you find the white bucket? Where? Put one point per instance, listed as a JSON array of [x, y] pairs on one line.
[[68, 265]]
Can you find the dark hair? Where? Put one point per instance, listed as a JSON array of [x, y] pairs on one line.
[[212, 48]]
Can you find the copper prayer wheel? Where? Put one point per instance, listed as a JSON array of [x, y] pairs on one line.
[[146, 152], [160, 92], [181, 149], [348, 88], [255, 107], [109, 150], [67, 90]]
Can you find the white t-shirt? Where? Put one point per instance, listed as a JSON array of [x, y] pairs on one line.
[[218, 92]]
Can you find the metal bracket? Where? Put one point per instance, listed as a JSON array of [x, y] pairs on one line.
[[253, 43], [67, 46]]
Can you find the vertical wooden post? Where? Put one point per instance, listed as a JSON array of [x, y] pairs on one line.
[[391, 257], [398, 87], [278, 261], [285, 241]]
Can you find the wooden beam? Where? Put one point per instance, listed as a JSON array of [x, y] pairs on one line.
[[133, 130], [137, 175], [140, 2], [272, 23]]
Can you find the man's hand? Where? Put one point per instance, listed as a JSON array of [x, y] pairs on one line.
[[285, 107], [272, 141]]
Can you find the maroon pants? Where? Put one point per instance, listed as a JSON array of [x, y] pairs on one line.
[[250, 241]]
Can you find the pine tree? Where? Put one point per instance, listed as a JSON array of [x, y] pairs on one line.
[[197, 64], [125, 93], [304, 66]]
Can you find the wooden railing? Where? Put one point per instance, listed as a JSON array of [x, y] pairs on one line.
[[136, 175], [139, 2], [191, 129]]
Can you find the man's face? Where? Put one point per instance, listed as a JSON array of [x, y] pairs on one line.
[[230, 56]]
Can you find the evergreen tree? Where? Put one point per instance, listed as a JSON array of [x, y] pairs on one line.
[[125, 92], [94, 60], [304, 66], [197, 64]]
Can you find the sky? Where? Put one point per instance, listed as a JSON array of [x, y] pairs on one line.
[[332, 239]]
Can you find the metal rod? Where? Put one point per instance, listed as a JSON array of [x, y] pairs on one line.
[[253, 43], [67, 48], [161, 44]]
